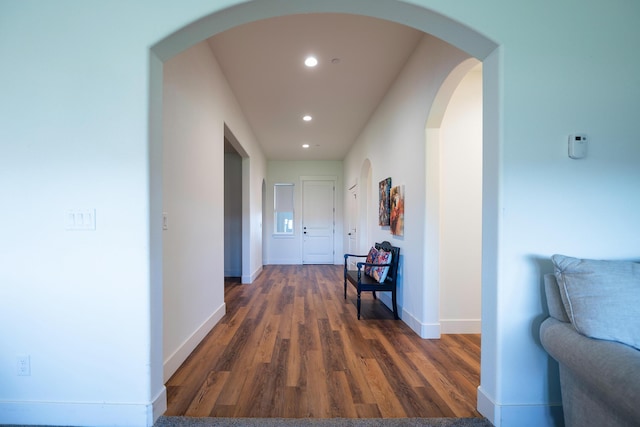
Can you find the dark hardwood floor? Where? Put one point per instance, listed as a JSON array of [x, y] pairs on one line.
[[290, 346]]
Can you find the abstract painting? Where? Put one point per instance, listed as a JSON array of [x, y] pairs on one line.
[[396, 219], [384, 210]]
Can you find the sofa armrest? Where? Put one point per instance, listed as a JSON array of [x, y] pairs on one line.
[[611, 369]]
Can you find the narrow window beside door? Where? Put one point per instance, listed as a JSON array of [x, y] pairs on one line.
[[283, 208]]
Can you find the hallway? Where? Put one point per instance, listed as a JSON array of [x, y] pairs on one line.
[[290, 346]]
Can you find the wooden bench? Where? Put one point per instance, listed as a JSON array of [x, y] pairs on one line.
[[364, 282]]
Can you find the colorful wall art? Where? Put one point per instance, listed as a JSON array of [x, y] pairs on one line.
[[384, 211], [396, 218]]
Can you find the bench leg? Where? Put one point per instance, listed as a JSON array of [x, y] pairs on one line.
[[358, 304], [395, 306], [374, 295], [345, 280]]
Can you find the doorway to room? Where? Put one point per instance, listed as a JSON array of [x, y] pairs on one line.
[[232, 212], [454, 145]]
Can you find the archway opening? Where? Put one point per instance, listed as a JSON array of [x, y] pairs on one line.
[[422, 19], [454, 189]]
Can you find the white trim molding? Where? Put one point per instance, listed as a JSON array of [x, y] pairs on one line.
[[460, 326], [173, 362], [97, 414], [541, 415], [424, 330], [252, 277]]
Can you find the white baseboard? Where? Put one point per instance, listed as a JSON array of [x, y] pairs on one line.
[[173, 362], [487, 407], [460, 326], [434, 330], [252, 277], [158, 407], [96, 414], [285, 261], [532, 415], [424, 330]]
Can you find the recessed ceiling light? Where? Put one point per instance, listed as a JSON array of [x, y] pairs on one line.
[[305, 145], [311, 61], [307, 118]]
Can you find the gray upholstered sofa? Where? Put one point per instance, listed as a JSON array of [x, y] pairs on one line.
[[594, 333]]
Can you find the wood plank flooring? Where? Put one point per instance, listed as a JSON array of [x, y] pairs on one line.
[[291, 346]]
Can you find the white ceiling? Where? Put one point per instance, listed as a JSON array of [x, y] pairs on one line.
[[359, 58]]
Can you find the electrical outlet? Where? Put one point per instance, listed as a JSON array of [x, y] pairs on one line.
[[23, 365]]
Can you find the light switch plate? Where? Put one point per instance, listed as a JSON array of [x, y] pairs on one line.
[[81, 219]]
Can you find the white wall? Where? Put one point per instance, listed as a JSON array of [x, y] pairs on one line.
[[197, 104], [80, 125], [394, 143], [74, 134], [460, 167], [288, 249]]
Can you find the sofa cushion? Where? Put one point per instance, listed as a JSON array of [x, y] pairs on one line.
[[601, 298]]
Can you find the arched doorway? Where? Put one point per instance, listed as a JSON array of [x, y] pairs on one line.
[[425, 20], [454, 192]]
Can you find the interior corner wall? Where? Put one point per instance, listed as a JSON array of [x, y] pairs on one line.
[[288, 249], [197, 104], [460, 167], [394, 142]]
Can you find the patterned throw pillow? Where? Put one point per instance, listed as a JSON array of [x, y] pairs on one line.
[[371, 258], [380, 273]]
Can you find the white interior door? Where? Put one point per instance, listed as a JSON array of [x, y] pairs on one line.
[[318, 224]]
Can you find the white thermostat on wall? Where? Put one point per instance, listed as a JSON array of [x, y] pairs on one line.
[[577, 146]]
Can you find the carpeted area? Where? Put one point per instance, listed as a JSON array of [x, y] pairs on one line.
[[316, 422], [321, 422]]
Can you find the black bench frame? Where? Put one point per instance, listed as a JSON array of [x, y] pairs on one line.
[[363, 282]]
